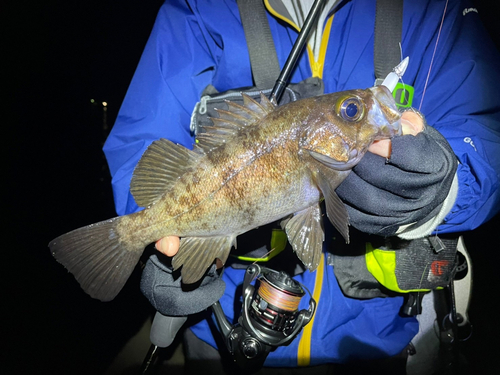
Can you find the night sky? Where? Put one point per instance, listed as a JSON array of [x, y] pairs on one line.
[[57, 56]]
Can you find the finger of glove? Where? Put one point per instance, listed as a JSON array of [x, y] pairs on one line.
[[426, 152], [385, 219], [379, 201], [165, 292], [382, 196], [408, 174], [374, 224]]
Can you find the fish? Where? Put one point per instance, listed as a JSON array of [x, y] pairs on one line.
[[256, 164]]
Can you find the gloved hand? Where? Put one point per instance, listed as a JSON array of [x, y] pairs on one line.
[[383, 194], [166, 294]]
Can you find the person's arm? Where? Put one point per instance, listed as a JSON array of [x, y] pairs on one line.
[[413, 194], [461, 102], [176, 65]]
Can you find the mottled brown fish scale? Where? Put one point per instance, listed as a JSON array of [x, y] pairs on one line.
[[136, 227], [235, 181], [259, 185]]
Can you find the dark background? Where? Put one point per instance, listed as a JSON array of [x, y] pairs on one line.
[[57, 56]]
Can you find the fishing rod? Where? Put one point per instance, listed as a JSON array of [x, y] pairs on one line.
[[279, 86]]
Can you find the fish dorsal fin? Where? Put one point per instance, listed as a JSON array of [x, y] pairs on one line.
[[232, 121], [160, 166]]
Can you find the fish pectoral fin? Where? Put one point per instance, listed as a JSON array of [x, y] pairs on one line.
[[335, 209], [305, 233], [196, 255], [337, 214], [158, 169]]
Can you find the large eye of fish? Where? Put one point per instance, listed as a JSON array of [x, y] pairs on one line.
[[351, 109]]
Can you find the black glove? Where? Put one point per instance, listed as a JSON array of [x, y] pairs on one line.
[[166, 295], [381, 195]]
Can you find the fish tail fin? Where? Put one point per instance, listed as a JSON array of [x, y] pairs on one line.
[[98, 258]]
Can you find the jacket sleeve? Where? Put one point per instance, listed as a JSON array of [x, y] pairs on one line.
[[176, 65], [461, 102]]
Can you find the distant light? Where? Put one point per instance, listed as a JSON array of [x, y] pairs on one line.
[[92, 101], [104, 104]]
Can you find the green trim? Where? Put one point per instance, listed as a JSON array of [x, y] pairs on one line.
[[278, 244], [403, 95], [382, 264]]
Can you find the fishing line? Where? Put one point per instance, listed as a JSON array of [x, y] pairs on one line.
[[433, 54], [280, 298], [264, 256], [401, 76]]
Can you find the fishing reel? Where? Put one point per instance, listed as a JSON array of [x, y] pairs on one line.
[[270, 316]]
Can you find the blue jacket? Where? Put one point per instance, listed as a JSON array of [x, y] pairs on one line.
[[196, 43]]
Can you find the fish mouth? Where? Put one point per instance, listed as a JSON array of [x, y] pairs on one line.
[[354, 157], [385, 113], [390, 130]]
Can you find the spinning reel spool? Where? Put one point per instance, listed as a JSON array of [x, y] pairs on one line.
[[270, 316]]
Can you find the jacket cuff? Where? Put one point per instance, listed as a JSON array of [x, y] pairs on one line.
[[417, 230]]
